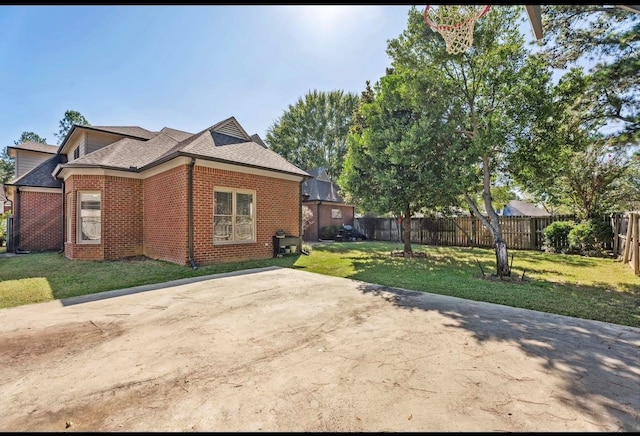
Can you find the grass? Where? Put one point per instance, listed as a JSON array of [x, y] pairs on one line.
[[582, 287]]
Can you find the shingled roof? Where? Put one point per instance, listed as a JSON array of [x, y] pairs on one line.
[[136, 155], [134, 131], [320, 188], [523, 208], [35, 146], [127, 154], [40, 176]]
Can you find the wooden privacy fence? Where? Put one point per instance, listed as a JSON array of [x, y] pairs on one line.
[[626, 231], [519, 232]]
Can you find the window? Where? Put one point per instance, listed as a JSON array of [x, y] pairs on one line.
[[233, 216], [69, 216], [336, 213], [89, 225], [76, 152]]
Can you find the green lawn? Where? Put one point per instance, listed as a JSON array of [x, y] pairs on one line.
[[590, 288]]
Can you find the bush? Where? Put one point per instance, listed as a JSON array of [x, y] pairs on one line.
[[329, 232], [556, 236], [588, 237], [582, 237], [602, 231]]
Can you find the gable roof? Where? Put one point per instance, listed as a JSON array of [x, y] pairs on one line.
[[129, 131], [320, 188], [523, 208], [126, 154], [40, 176], [225, 142], [258, 140], [35, 146]]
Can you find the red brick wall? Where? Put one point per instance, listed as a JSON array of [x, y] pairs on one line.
[[150, 216], [72, 250], [311, 234], [40, 226], [122, 203], [165, 216], [277, 208], [322, 217], [121, 217]]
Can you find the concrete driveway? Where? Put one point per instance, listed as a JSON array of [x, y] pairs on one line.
[[287, 350]]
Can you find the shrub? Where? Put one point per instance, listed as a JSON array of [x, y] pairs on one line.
[[329, 232], [582, 237], [556, 236], [602, 231], [588, 237]]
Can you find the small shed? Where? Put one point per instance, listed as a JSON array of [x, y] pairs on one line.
[[321, 195]]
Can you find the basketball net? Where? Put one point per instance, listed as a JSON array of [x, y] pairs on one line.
[[455, 23]]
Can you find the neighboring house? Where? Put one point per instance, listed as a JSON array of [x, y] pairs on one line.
[[5, 206], [523, 208], [111, 192], [321, 196]]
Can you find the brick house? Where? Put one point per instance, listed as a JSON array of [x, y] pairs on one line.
[[113, 192], [321, 195]]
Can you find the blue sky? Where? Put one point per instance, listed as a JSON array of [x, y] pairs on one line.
[[185, 67]]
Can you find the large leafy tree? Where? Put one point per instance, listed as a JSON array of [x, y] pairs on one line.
[[492, 90], [395, 160], [71, 117], [595, 112], [586, 170], [609, 38], [312, 133]]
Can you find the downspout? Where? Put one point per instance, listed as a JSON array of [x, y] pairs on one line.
[[64, 218], [190, 214], [16, 222], [10, 243], [300, 215], [318, 220]]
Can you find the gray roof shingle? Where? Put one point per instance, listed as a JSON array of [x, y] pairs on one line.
[[222, 147], [35, 146], [523, 208], [136, 131], [41, 176], [138, 154], [320, 188]]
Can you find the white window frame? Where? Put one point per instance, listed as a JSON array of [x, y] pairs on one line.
[[79, 209], [234, 193], [336, 213]]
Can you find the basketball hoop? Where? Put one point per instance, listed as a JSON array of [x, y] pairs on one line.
[[455, 23]]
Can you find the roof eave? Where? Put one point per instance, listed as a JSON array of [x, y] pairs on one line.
[[213, 159]]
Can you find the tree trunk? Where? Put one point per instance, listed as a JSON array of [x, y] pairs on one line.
[[492, 223], [502, 259], [406, 230]]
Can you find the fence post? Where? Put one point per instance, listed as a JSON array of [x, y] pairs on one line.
[[533, 237]]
